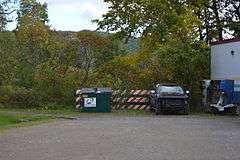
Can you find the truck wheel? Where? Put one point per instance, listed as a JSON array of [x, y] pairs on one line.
[[158, 111], [151, 108], [186, 111]]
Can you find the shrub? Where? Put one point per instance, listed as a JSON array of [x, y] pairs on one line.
[[23, 97], [5, 93]]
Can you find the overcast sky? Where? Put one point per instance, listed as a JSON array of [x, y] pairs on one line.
[[73, 15]]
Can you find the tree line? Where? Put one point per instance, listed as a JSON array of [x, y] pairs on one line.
[[147, 42]]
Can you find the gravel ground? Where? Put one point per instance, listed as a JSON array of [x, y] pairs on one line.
[[125, 138]]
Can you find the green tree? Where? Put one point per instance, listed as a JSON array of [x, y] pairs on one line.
[[60, 75], [33, 36], [156, 20], [32, 12], [119, 73], [3, 20], [8, 58], [220, 19], [95, 50], [6, 10], [160, 20], [232, 16]]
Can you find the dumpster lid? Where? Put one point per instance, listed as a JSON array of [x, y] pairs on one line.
[[104, 90], [88, 90]]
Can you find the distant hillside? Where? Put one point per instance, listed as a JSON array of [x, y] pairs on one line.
[[132, 45]]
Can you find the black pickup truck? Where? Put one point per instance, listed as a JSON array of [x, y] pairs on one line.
[[169, 97]]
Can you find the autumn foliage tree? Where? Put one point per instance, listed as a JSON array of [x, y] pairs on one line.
[[155, 21], [94, 51], [150, 41], [33, 36]]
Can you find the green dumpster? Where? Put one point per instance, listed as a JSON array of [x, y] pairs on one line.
[[97, 99]]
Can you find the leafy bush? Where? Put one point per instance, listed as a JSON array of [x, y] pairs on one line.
[[23, 97], [5, 93], [20, 96], [58, 84]]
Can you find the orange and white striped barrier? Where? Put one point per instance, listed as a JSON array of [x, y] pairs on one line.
[[134, 100]]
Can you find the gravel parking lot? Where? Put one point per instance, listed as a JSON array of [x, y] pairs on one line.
[[125, 138]]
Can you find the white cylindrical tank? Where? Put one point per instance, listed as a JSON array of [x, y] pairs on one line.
[[225, 60]]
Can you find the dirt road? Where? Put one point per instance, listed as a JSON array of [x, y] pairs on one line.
[[125, 138]]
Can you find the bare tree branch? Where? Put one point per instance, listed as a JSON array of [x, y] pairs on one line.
[[7, 13]]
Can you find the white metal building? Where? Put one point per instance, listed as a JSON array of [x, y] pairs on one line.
[[225, 60]]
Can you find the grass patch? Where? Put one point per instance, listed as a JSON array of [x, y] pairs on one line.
[[71, 111], [13, 120], [43, 108]]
